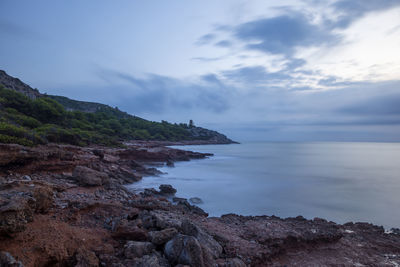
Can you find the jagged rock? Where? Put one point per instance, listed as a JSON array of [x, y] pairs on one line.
[[89, 177], [134, 249], [86, 258], [129, 232], [6, 260], [183, 249], [185, 205], [44, 198], [170, 163], [15, 213], [159, 220], [152, 260], [167, 189], [161, 237], [206, 241]]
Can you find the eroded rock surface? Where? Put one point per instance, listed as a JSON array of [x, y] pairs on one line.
[[50, 216]]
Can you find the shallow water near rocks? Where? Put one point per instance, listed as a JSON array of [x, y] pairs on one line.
[[341, 182]]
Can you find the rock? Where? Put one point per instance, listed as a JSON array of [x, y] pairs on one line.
[[196, 200], [89, 177], [6, 260], [185, 205], [183, 249], [128, 230], [15, 213], [27, 178], [152, 260], [161, 237], [206, 241], [86, 258], [178, 199], [234, 262], [395, 231], [134, 249], [170, 163], [167, 189], [44, 198]]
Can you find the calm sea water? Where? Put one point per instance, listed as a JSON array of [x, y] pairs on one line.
[[341, 182]]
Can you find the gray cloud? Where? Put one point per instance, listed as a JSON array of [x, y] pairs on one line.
[[206, 39], [282, 34], [156, 93], [224, 43], [350, 10]]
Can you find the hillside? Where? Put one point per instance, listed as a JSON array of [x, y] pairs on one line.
[[28, 117]]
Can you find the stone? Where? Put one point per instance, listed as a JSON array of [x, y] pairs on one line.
[[161, 237], [44, 198], [135, 249], [15, 213], [152, 260], [89, 177], [183, 249], [86, 258], [206, 241], [167, 189], [6, 260]]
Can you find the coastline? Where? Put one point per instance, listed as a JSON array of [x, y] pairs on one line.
[[76, 196]]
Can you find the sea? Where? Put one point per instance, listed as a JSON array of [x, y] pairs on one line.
[[340, 182]]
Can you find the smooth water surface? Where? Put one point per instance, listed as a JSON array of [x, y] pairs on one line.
[[337, 181]]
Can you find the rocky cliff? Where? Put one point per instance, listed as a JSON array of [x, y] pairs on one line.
[[16, 84]]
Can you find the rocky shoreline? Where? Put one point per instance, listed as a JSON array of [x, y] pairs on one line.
[[63, 205]]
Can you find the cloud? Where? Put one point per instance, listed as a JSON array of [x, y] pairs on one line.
[[156, 93], [351, 10], [206, 39], [254, 75], [388, 105], [224, 43], [282, 34]]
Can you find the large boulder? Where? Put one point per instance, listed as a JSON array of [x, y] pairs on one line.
[[206, 241], [89, 177], [167, 189], [184, 249], [43, 196], [161, 237], [152, 260], [15, 213]]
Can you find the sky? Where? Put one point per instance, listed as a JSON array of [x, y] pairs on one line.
[[256, 70]]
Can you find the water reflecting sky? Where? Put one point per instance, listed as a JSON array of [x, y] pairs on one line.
[[338, 181]]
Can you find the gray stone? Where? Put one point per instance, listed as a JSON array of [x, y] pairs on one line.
[[161, 237], [167, 189], [89, 177], [183, 249], [206, 241], [135, 249]]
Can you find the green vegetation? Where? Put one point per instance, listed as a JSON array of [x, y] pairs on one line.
[[29, 122]]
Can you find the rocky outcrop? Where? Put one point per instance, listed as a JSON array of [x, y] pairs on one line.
[[15, 84], [97, 222], [89, 177]]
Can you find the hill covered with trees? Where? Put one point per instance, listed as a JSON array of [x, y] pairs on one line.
[[29, 118]]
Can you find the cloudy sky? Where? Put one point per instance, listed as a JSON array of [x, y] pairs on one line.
[[307, 70]]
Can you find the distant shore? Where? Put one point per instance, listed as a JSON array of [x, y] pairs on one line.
[[76, 197]]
